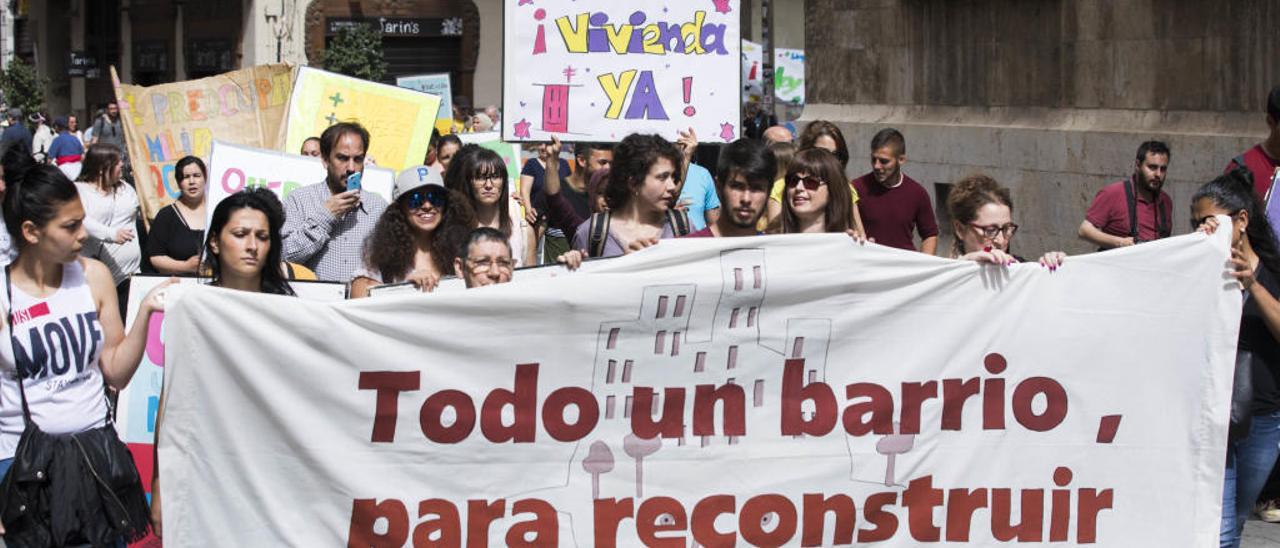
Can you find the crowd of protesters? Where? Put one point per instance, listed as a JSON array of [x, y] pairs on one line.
[[459, 215]]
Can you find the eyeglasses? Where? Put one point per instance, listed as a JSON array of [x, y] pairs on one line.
[[480, 265], [433, 196], [990, 232], [810, 182]]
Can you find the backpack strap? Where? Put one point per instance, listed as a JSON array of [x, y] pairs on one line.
[[597, 234], [679, 221], [1132, 200]]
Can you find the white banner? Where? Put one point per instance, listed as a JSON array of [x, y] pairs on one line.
[[777, 390], [597, 71], [233, 168]]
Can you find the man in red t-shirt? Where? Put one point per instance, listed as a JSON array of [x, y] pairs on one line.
[[891, 204], [744, 176], [1133, 210], [1263, 160]]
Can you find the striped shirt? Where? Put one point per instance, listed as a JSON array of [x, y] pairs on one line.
[[330, 246]]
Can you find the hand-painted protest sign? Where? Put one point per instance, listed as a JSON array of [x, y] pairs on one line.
[[752, 68], [138, 402], [599, 71], [438, 85], [711, 390], [788, 75], [399, 120], [233, 168], [166, 122]]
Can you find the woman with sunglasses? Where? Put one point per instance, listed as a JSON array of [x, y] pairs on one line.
[[417, 238], [817, 196], [982, 220], [481, 176], [1255, 263]]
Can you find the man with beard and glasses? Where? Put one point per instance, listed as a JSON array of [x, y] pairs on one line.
[[892, 205], [1133, 210], [745, 171]]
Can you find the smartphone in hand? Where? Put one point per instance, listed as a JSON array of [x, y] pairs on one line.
[[353, 181]]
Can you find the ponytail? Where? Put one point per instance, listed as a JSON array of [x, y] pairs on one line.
[[1233, 191], [33, 192]]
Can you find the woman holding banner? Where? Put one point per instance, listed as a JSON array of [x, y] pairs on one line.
[[177, 233], [418, 236], [49, 289], [243, 252], [481, 176], [982, 220], [111, 211], [641, 194], [1255, 262], [816, 197]]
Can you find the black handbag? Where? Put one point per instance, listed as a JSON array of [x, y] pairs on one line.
[[70, 489], [1241, 397]]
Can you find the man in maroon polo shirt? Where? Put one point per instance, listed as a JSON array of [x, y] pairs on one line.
[[891, 204], [743, 178], [1263, 160], [1133, 210]]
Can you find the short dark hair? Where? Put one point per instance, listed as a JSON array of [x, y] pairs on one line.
[[1152, 147], [186, 161], [1273, 104], [482, 234], [334, 132], [632, 159], [584, 150], [750, 158], [889, 137]]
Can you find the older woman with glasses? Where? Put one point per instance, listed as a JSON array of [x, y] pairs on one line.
[[417, 238], [982, 219]]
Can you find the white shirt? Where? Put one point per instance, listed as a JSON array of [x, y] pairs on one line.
[[104, 215], [61, 340]]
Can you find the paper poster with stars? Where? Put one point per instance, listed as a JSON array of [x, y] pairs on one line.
[[399, 120], [591, 70]]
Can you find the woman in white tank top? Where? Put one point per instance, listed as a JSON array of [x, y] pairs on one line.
[[63, 320]]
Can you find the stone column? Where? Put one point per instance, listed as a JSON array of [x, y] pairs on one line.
[[126, 44], [78, 105], [179, 44]]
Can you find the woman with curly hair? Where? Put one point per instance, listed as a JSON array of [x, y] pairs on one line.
[[982, 220], [418, 236], [642, 188]]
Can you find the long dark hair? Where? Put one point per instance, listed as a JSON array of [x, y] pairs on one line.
[[476, 163], [632, 159], [1233, 191], [838, 214], [99, 160], [261, 199], [34, 192], [390, 249]]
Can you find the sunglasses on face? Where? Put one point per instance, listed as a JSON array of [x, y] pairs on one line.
[[420, 197], [810, 182]]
